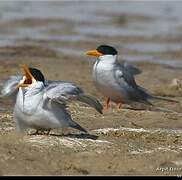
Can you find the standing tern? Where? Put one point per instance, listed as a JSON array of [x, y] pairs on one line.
[[41, 104], [116, 80]]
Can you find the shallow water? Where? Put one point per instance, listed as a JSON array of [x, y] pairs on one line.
[[89, 21], [147, 58]]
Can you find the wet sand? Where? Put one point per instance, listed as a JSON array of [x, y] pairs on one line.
[[120, 142]]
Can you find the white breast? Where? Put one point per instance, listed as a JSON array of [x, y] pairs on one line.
[[104, 79], [28, 102]]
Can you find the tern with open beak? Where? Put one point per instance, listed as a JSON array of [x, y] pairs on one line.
[[116, 80], [41, 104]]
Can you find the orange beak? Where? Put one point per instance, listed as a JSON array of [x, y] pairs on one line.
[[94, 53], [28, 77]]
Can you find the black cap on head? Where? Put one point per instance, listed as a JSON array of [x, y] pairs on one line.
[[107, 50], [37, 74]]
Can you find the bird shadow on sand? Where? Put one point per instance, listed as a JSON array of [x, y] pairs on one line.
[[78, 136], [71, 135], [149, 108]]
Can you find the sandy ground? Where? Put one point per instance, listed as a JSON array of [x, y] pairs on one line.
[[120, 142]]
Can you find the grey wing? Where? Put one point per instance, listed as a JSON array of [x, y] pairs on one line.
[[61, 91], [129, 71], [9, 86], [126, 78], [131, 68], [55, 82]]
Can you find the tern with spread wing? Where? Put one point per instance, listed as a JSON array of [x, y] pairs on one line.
[[41, 104]]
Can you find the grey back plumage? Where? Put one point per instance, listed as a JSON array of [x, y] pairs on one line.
[[131, 68], [134, 92]]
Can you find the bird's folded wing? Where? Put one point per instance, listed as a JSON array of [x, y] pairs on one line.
[[125, 77], [132, 69]]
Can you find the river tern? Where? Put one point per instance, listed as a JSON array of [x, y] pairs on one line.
[[115, 80], [42, 104]]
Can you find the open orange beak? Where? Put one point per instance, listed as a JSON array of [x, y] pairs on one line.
[[28, 77], [94, 53]]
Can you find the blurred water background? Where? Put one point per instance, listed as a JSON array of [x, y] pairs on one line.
[[142, 30]]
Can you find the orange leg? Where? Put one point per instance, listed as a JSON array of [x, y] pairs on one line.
[[107, 105]]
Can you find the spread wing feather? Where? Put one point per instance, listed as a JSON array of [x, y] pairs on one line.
[[9, 86], [62, 92]]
